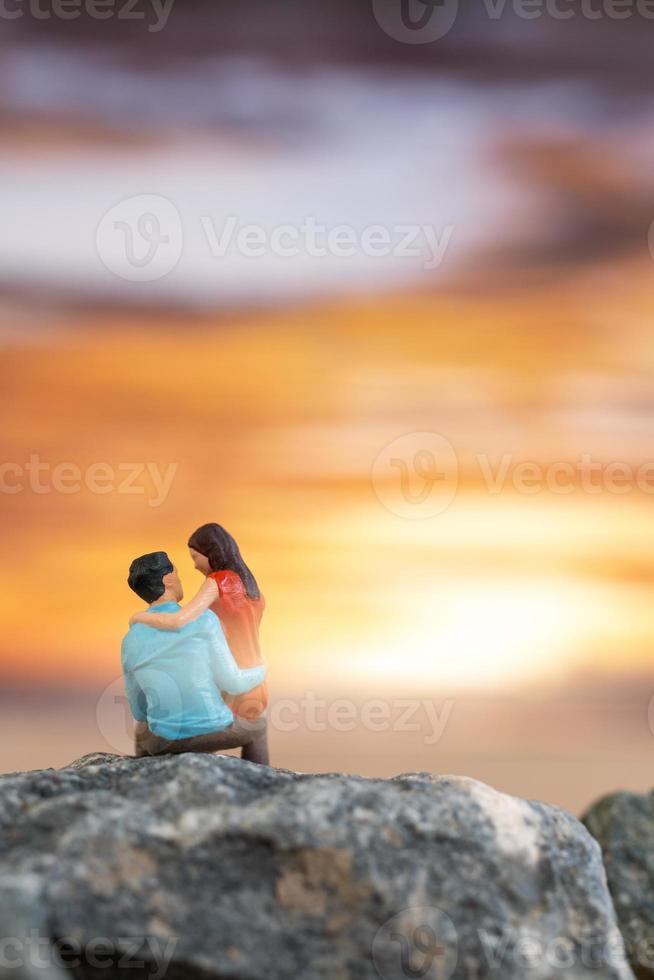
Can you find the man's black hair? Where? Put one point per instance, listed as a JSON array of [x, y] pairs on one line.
[[146, 575]]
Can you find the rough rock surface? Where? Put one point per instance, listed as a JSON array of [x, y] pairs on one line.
[[623, 823], [200, 866]]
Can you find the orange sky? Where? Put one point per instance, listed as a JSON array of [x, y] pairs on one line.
[[273, 424]]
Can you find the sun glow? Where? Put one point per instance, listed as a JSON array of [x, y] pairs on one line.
[[484, 633]]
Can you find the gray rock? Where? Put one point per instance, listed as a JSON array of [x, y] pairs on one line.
[[623, 824], [26, 952], [201, 866]]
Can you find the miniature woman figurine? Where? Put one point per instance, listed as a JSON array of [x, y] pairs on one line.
[[230, 590]]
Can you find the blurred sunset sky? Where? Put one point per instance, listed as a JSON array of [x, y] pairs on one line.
[[288, 397]]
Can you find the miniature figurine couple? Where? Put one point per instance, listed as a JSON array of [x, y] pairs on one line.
[[194, 675]]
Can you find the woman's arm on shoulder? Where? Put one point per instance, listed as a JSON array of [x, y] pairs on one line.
[[174, 621]]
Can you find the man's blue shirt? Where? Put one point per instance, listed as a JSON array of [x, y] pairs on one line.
[[174, 678]]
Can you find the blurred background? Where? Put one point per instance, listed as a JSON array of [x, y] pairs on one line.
[[380, 303]]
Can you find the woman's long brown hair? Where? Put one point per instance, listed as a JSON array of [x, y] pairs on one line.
[[221, 551]]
